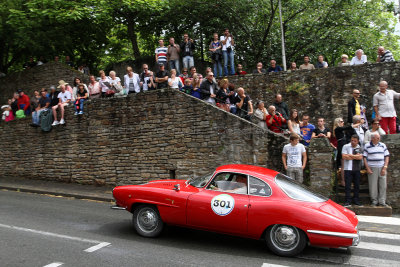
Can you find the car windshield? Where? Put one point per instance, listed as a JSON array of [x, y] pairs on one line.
[[200, 181], [297, 191]]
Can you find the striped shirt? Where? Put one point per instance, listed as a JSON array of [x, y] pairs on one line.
[[161, 52], [375, 154]]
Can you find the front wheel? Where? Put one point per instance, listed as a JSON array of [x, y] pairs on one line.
[[147, 221], [285, 240]]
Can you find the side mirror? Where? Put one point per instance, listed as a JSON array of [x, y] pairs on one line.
[[177, 187]]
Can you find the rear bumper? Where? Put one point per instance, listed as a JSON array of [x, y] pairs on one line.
[[115, 207], [355, 237]]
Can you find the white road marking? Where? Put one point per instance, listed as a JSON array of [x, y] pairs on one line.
[[367, 262], [379, 235], [49, 234], [97, 247], [54, 264], [273, 265], [378, 219], [379, 247]]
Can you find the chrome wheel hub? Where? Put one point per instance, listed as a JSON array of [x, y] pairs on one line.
[[284, 237], [147, 220]]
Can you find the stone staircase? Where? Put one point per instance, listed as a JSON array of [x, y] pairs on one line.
[[366, 208]]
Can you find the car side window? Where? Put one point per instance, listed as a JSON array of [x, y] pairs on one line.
[[259, 188], [229, 182]]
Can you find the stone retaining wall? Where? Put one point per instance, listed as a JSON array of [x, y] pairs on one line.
[[152, 135]]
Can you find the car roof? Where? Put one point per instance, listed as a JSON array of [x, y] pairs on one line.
[[248, 169]]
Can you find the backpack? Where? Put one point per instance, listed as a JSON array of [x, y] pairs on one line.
[[46, 119], [20, 114]]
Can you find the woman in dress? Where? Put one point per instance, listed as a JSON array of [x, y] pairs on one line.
[[294, 123]]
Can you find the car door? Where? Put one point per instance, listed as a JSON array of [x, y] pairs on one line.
[[220, 209]]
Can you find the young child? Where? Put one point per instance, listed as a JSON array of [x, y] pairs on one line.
[[187, 88], [8, 115]]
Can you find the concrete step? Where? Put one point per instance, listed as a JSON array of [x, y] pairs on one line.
[[364, 197], [372, 211]]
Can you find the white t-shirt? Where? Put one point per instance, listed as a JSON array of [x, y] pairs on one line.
[[227, 44], [64, 96], [115, 81], [175, 82], [210, 99], [351, 165], [294, 154]]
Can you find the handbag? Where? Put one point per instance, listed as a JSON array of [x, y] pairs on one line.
[[110, 93]]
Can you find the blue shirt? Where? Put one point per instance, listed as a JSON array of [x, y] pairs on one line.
[[306, 132]]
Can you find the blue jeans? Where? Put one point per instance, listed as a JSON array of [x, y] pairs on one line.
[[217, 69], [188, 62], [228, 56], [174, 64], [36, 116], [79, 105]]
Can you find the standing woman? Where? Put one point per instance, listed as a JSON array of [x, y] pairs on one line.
[[104, 83], [294, 123], [174, 82], [216, 55], [131, 81], [223, 95], [196, 86]]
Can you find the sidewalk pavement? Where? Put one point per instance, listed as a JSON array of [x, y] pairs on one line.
[[92, 192]]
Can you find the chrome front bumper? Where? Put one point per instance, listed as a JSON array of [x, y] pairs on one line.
[[115, 207]]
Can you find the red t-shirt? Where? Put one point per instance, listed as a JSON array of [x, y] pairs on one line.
[[24, 100], [276, 124]]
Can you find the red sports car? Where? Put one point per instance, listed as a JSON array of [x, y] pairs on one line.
[[243, 200]]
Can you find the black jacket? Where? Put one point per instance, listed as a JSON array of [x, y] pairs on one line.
[[351, 109], [205, 88], [191, 49], [283, 109], [54, 98]]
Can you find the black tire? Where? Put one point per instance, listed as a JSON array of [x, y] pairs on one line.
[[285, 240], [147, 221]]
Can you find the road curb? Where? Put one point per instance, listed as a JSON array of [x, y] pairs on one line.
[[58, 193]]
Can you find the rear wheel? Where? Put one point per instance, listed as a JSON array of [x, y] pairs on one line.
[[147, 221], [285, 240]]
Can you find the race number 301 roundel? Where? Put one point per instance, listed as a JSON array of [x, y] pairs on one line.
[[222, 204]]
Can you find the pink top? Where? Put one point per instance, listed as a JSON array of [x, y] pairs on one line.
[[94, 89], [10, 116]]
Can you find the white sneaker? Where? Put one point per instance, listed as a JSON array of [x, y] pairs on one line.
[[55, 123], [62, 121], [76, 113]]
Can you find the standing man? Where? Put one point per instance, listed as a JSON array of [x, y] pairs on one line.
[[274, 67], [376, 160], [321, 131], [383, 102], [274, 120], [162, 77], [321, 64], [208, 89], [294, 158], [306, 130], [307, 65], [227, 51], [173, 55], [281, 106], [161, 53], [351, 154], [353, 106], [384, 55], [187, 48]]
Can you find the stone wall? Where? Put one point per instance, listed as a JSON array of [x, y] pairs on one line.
[[36, 78], [152, 135], [393, 174], [322, 92]]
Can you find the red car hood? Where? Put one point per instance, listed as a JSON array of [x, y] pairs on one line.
[[164, 183]]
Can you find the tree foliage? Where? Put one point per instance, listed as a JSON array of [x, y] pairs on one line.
[[102, 31]]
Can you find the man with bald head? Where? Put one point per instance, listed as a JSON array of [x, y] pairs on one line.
[[384, 55], [243, 104], [385, 111], [353, 106], [274, 120], [376, 160]]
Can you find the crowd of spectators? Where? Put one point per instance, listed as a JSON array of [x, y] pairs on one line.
[[355, 144]]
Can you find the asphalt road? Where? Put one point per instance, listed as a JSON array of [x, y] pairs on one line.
[[41, 230]]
